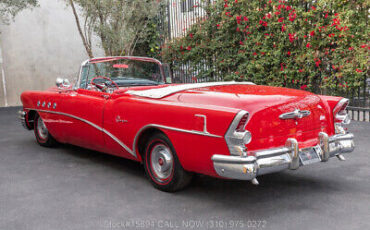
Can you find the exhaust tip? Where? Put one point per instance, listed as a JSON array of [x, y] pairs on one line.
[[341, 157], [254, 181]]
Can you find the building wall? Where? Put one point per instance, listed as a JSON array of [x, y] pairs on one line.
[[39, 46], [182, 14]]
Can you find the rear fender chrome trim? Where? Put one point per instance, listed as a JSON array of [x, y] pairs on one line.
[[202, 133]]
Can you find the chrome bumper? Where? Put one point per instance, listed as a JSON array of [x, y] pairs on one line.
[[22, 117], [274, 160]]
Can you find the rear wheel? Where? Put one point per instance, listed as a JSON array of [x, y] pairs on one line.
[[162, 166], [42, 134]]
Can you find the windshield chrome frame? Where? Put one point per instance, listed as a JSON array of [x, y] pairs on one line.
[[144, 59]]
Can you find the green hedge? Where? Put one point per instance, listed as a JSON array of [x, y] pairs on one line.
[[300, 44]]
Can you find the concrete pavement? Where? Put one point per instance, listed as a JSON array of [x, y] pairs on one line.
[[73, 188]]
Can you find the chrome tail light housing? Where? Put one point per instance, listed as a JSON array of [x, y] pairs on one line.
[[341, 117], [236, 136]]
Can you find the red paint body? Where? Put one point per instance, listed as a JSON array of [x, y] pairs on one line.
[[218, 103], [111, 123]]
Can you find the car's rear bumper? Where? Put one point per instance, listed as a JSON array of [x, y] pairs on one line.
[[277, 159]]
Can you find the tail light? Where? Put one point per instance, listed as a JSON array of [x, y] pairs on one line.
[[236, 136], [341, 117], [242, 123]]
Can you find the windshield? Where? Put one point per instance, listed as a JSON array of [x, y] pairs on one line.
[[124, 72]]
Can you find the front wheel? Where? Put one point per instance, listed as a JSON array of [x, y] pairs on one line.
[[42, 134], [162, 166]]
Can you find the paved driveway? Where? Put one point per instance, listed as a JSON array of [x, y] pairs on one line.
[[73, 188]]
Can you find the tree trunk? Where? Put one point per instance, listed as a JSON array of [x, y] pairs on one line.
[[84, 41]]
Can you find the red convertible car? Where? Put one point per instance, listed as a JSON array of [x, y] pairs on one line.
[[127, 107]]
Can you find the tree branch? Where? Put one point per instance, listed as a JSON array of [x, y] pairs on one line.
[[88, 49]]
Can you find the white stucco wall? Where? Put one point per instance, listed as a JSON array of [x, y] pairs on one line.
[[39, 46]]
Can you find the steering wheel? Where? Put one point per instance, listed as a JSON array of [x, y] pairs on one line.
[[103, 87]]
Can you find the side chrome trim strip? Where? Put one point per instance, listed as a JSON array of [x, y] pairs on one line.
[[91, 124], [132, 152], [170, 128]]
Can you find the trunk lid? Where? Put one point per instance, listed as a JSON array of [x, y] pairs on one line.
[[265, 104]]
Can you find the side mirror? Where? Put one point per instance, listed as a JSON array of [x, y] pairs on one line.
[[62, 83]]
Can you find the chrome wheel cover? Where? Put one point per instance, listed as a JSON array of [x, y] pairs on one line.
[[41, 129], [161, 160]]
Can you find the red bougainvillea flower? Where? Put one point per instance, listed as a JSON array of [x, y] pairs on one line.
[[218, 26], [228, 14], [300, 70], [350, 48], [238, 29], [281, 6], [191, 35], [358, 71], [264, 23], [282, 66], [189, 48], [226, 5], [288, 8], [317, 62], [245, 19], [263, 53], [312, 33], [291, 37], [292, 16], [303, 87], [363, 46], [313, 8], [254, 53], [281, 19], [241, 43], [181, 47], [277, 12], [289, 53], [238, 19], [283, 28], [308, 45]]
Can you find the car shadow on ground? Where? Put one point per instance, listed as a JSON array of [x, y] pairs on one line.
[[284, 184]]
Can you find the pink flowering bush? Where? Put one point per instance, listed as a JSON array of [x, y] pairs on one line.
[[289, 43]]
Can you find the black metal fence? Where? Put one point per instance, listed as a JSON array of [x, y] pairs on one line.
[[359, 113]]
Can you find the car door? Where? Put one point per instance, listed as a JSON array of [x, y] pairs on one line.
[[122, 124], [82, 111]]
